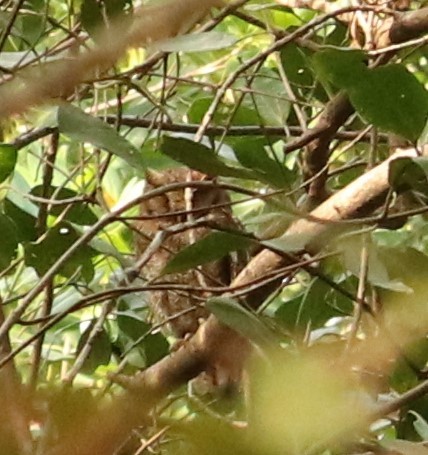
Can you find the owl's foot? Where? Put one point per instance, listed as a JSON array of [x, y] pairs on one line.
[[179, 343]]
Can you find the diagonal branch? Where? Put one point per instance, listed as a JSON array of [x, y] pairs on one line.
[[101, 433], [355, 200]]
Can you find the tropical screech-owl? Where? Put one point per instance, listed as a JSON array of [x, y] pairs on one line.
[[181, 311]]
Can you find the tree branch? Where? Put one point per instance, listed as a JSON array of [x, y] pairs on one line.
[[355, 200], [405, 26]]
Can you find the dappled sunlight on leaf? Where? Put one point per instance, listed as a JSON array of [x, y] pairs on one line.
[[303, 402]]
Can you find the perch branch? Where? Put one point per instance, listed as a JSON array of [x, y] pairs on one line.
[[355, 200]]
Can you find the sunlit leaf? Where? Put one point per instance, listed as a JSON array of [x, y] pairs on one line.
[[377, 272], [421, 426], [290, 242], [277, 213], [66, 300], [423, 139], [11, 59], [297, 403], [79, 126]]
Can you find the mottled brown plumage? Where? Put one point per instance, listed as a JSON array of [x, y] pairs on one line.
[[181, 311]]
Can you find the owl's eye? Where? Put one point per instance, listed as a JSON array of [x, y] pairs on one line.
[[207, 197]]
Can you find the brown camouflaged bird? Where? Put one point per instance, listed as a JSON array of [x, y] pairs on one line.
[[181, 311]]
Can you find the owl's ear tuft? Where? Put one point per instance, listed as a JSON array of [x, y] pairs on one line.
[[155, 178], [197, 176]]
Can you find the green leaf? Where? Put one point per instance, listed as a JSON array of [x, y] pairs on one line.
[[275, 216], [42, 255], [153, 158], [416, 352], [155, 348], [8, 156], [9, 241], [235, 316], [131, 325], [199, 107], [135, 357], [409, 173], [313, 308], [290, 242], [80, 213], [268, 89], [296, 65], [212, 247], [242, 115], [195, 42], [64, 301], [93, 13], [32, 27], [403, 377], [420, 425], [423, 139], [251, 153], [24, 222], [77, 125], [392, 99], [270, 225], [91, 16], [378, 267], [388, 97], [100, 352], [151, 348], [407, 265], [405, 427], [201, 158], [107, 248], [344, 69]]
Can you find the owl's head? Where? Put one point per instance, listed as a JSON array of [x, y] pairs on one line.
[[173, 175], [185, 199]]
